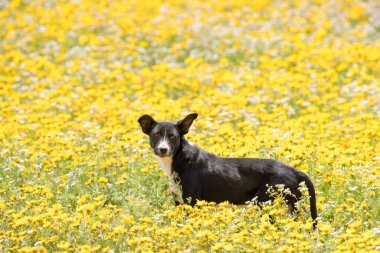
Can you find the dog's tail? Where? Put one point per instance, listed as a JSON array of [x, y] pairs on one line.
[[313, 201]]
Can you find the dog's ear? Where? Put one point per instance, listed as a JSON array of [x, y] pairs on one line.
[[185, 124], [147, 123]]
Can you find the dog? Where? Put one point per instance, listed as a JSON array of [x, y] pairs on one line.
[[204, 176]]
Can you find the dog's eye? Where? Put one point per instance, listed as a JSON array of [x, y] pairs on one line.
[[158, 134], [171, 136]]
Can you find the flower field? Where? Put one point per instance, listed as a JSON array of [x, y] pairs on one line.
[[297, 81]]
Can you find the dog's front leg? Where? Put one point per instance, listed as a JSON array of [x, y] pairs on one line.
[[191, 192], [176, 192]]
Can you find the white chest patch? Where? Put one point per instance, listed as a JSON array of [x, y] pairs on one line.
[[166, 164], [174, 189]]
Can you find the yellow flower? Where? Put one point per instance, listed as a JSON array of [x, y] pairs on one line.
[[355, 225], [102, 180]]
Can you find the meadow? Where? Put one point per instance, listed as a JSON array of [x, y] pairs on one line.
[[297, 81]]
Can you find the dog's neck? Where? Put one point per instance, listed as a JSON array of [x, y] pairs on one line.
[[185, 144]]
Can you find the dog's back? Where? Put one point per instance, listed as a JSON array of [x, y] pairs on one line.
[[228, 179]]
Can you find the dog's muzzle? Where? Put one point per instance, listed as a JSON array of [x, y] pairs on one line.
[[162, 149]]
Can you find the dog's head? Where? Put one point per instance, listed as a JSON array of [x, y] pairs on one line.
[[165, 137]]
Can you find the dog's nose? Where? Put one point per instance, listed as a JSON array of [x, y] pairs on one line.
[[163, 150]]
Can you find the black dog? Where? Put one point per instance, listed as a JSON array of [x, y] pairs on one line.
[[205, 176]]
